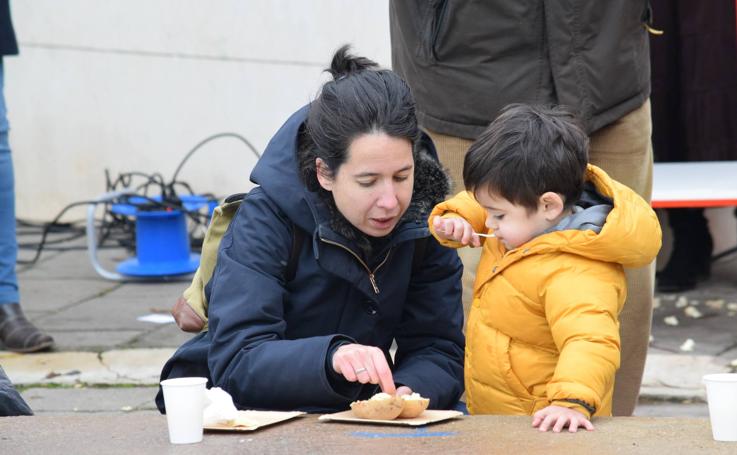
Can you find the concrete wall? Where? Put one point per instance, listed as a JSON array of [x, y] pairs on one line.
[[135, 84]]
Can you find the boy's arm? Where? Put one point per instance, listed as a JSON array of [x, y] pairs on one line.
[[462, 205], [581, 306]]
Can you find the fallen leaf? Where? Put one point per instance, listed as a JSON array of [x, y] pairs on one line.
[[715, 304], [53, 374], [670, 320], [692, 312], [682, 302], [688, 345]]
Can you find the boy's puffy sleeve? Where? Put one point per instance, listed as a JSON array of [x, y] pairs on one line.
[[462, 205], [582, 307]]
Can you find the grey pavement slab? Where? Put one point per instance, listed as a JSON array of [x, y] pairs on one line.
[[136, 366], [648, 408], [693, 333], [76, 265], [127, 366], [106, 313], [76, 339], [675, 376], [165, 336], [166, 291], [71, 265], [55, 294], [712, 333], [55, 368]]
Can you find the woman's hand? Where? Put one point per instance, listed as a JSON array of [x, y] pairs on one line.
[[456, 229], [559, 417], [365, 364]]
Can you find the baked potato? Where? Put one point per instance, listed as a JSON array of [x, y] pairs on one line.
[[414, 405], [381, 406]]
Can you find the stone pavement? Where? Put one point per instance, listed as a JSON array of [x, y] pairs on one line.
[[108, 360]]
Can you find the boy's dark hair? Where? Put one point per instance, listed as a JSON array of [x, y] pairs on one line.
[[527, 151], [361, 99]]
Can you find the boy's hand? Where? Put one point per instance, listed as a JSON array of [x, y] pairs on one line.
[[558, 417], [456, 229]]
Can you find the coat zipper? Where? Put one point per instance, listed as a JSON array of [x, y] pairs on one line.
[[371, 274]]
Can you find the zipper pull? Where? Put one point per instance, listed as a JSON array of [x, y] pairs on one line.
[[372, 279]]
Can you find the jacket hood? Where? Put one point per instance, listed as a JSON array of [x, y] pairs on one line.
[[589, 213], [278, 175], [626, 232]]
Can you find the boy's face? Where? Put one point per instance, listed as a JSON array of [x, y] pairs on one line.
[[512, 224]]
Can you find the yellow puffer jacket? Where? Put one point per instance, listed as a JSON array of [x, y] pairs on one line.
[[544, 325]]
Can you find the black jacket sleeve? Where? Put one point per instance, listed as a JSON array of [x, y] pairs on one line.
[[430, 341]]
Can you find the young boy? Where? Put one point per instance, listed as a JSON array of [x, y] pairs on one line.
[[543, 330]]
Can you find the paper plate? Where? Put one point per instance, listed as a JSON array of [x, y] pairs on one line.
[[253, 420], [429, 416]]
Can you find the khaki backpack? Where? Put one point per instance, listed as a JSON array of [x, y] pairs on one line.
[[190, 310]]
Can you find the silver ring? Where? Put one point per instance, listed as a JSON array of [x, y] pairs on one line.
[[360, 370]]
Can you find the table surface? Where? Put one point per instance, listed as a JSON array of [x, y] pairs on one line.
[[142, 433], [695, 184]]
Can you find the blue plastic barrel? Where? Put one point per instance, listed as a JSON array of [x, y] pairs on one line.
[[162, 245]]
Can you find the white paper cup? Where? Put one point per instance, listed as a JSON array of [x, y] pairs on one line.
[[721, 394], [184, 399]]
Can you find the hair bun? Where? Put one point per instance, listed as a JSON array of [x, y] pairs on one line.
[[344, 63]]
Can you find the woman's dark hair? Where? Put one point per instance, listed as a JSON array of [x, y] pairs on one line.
[[361, 99], [527, 151]]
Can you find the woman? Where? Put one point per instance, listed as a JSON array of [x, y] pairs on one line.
[[352, 171]]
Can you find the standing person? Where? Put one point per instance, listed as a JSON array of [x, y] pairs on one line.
[[543, 334], [353, 173], [466, 60], [16, 332], [694, 116]]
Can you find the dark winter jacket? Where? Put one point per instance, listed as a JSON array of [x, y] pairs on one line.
[[11, 402], [8, 44], [466, 60], [269, 340]]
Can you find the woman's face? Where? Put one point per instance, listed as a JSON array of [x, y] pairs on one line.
[[373, 187]]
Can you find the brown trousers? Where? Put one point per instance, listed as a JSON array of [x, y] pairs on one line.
[[624, 150]]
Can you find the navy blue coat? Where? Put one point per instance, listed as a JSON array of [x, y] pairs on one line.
[[269, 339]]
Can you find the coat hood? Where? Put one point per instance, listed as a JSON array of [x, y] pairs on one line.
[[630, 234], [278, 175], [276, 172]]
